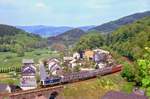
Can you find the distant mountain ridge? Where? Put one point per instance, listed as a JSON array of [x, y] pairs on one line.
[[48, 31], [45, 31], [113, 25], [73, 35]]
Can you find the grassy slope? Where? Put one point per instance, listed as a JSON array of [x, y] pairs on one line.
[[96, 88]]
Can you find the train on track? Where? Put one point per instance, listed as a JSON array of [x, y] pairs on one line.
[[82, 75]]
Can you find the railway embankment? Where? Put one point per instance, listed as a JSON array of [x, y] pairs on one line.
[[96, 88]]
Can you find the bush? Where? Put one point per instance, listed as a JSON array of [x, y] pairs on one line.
[[13, 74], [128, 72]]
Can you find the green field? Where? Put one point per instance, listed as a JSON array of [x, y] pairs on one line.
[[8, 78], [9, 59]]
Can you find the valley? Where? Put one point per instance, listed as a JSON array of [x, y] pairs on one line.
[[127, 40]]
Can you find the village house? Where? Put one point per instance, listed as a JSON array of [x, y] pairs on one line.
[[100, 55], [54, 67], [76, 56], [102, 58], [88, 54], [28, 71], [72, 61]]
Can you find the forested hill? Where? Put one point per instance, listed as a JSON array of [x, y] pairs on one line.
[[67, 38], [131, 40], [15, 40], [113, 25], [6, 30]]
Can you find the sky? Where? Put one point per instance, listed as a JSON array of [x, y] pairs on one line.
[[67, 12]]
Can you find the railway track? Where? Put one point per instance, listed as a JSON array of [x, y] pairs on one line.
[[53, 87], [48, 88], [37, 90]]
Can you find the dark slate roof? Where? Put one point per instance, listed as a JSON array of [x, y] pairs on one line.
[[54, 67], [28, 70], [121, 95], [24, 61], [53, 60]]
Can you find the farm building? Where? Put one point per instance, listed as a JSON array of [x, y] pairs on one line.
[[121, 95], [28, 71]]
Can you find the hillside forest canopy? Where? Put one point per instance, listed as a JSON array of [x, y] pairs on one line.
[[131, 41], [18, 41]]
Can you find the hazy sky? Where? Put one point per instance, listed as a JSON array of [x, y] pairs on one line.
[[67, 12]]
